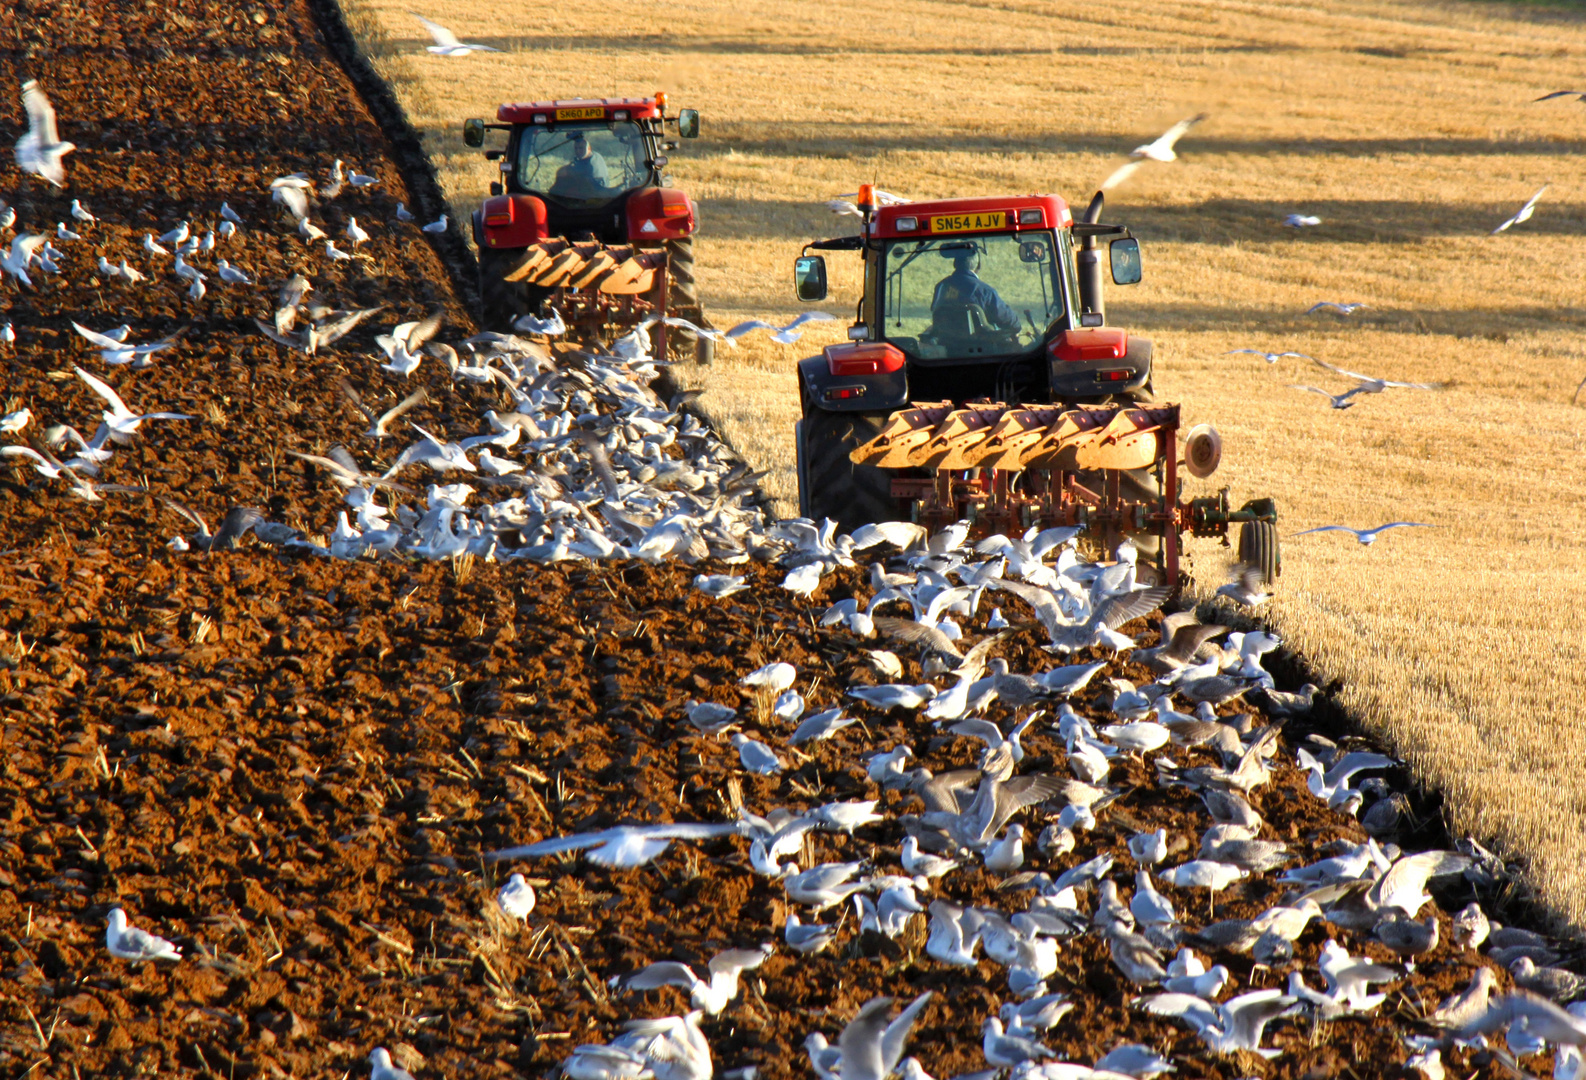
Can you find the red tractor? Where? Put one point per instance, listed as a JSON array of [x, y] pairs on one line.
[[982, 383], [583, 220]]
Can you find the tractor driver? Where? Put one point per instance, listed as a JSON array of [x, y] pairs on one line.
[[586, 175], [963, 287]]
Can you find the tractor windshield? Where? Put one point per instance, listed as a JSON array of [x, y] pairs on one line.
[[993, 295], [582, 165]]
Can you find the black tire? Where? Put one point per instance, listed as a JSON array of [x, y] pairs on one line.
[[682, 298], [851, 495], [1258, 547], [501, 301]]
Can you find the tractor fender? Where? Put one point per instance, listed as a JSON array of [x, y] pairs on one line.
[[658, 213], [510, 221], [821, 389], [1082, 378]]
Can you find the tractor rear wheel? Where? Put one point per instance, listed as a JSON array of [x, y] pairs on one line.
[[501, 301], [831, 486], [682, 295], [1258, 547]]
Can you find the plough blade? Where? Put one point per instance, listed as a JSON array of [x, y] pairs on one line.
[[589, 267], [904, 433]]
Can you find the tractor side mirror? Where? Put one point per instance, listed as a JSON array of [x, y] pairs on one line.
[[688, 124], [809, 278], [473, 132], [1125, 257]]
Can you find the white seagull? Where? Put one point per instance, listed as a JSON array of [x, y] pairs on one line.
[[1523, 214], [124, 423], [446, 42], [40, 150], [1159, 149], [1300, 221], [625, 846], [435, 228], [785, 335], [1270, 357], [1333, 305], [1367, 536], [130, 943], [516, 897]]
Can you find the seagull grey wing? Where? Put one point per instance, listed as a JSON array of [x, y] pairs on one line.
[[664, 973], [1041, 601], [330, 465], [1547, 1020], [600, 462], [735, 961], [329, 335], [896, 1036], [554, 846], [41, 114], [983, 730], [1014, 795], [189, 513], [413, 400], [1117, 610], [443, 37], [860, 1041], [339, 454], [1245, 1018], [1196, 1012], [688, 830], [975, 658], [1407, 878], [270, 331], [1187, 640], [916, 633], [237, 522], [940, 792], [426, 329]]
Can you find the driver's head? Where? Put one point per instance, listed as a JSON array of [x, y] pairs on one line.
[[966, 262], [580, 147]]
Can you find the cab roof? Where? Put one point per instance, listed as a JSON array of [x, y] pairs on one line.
[[552, 111], [996, 213]]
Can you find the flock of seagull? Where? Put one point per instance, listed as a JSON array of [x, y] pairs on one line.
[[987, 815]]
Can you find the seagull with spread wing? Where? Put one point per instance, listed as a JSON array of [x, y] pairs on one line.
[[1524, 213], [446, 42], [785, 335], [1370, 384], [1368, 536], [123, 422], [1159, 149], [40, 149]]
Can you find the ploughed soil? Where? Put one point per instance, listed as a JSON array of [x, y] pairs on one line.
[[291, 768]]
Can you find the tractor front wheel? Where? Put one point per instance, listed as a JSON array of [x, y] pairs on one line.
[[830, 485]]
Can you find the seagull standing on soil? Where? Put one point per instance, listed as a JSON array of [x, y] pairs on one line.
[[130, 943], [516, 897]]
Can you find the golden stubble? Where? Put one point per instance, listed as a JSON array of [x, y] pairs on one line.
[[1407, 128]]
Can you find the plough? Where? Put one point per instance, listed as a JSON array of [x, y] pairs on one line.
[[1110, 469]]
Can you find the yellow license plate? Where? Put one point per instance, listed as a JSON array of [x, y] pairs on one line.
[[997, 219], [580, 114]]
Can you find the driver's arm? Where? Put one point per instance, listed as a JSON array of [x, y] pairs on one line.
[[998, 309]]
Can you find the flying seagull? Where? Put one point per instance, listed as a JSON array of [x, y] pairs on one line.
[[1367, 536], [786, 335], [1579, 95], [1300, 221], [1270, 357], [40, 149], [1524, 213], [1342, 309], [1159, 149], [446, 42], [1370, 384], [1340, 401]]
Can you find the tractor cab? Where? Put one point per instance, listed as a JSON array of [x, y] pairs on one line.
[[593, 166]]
